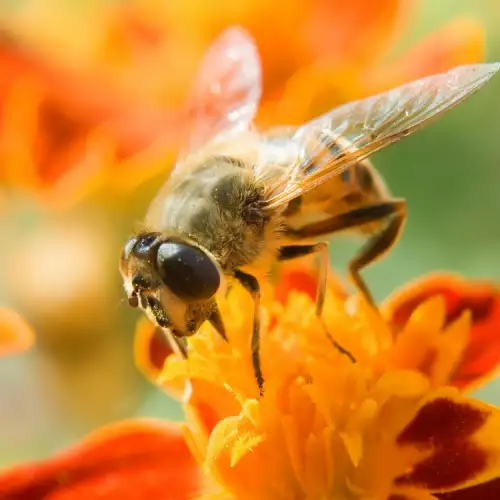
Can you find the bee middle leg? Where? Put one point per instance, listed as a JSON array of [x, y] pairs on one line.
[[251, 284], [295, 251]]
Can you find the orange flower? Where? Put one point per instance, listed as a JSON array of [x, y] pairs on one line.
[[64, 130], [15, 334], [472, 357], [129, 461], [92, 97], [389, 426]]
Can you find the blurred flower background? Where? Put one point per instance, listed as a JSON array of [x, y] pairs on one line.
[[91, 107]]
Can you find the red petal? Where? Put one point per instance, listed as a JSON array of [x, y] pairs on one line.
[[452, 432], [482, 299], [485, 491], [447, 467], [300, 280], [443, 418], [151, 348], [127, 461], [302, 276]]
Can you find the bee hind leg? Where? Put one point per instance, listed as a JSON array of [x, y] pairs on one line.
[[251, 284], [392, 213], [296, 251], [376, 246]]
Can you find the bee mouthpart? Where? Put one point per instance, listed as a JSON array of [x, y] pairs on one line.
[[158, 312], [133, 300]]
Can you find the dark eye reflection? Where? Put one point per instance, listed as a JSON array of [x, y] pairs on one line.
[[145, 246]]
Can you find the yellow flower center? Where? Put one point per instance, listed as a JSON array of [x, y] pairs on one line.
[[326, 427]]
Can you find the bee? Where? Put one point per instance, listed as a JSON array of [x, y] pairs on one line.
[[239, 200]]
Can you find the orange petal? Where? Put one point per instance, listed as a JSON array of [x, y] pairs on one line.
[[302, 276], [356, 31], [204, 399], [481, 357], [126, 461], [15, 334], [151, 349], [485, 491], [62, 110], [209, 404], [456, 437], [300, 279], [462, 41]]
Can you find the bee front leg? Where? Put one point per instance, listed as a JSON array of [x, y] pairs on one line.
[[216, 321], [296, 251], [177, 344], [251, 284]]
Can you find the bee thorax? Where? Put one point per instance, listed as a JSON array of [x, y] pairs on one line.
[[222, 208]]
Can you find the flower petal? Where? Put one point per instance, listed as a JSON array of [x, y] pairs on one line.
[[15, 334], [456, 438], [333, 23], [129, 460], [481, 355], [151, 349], [298, 278], [484, 491], [303, 278], [63, 111]]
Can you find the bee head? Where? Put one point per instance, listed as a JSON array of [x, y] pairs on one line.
[[173, 280]]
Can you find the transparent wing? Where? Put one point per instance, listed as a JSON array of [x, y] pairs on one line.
[[333, 142], [226, 92]]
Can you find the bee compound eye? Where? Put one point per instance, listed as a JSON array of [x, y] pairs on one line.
[[126, 252], [187, 271], [144, 245]]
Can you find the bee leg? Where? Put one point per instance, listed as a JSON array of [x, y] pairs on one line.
[[251, 284], [228, 290], [376, 246], [216, 321], [392, 211], [296, 251]]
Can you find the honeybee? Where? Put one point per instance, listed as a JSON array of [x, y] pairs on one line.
[[238, 200]]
